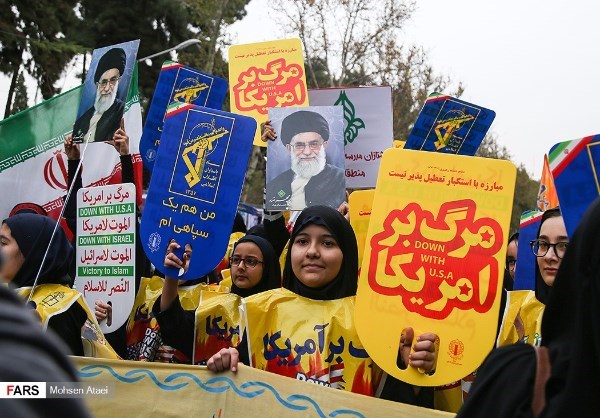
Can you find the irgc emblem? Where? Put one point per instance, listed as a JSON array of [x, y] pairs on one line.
[[202, 142], [189, 90]]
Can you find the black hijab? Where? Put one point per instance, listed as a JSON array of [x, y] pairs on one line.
[[346, 282], [570, 324], [508, 282], [32, 232], [505, 381], [271, 277], [238, 224], [542, 290]]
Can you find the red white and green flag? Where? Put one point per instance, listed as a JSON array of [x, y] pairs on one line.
[[575, 166], [33, 164]]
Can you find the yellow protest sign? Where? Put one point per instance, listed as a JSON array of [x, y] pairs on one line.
[[398, 143], [434, 259], [522, 321], [218, 324], [360, 203], [322, 349], [264, 75]]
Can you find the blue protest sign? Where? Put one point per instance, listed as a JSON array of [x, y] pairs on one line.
[[525, 268], [575, 165], [180, 84], [449, 125], [196, 185]]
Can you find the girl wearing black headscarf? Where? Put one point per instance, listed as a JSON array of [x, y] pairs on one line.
[[506, 382], [549, 248], [570, 328], [345, 282], [254, 269], [24, 239], [240, 272], [322, 264]]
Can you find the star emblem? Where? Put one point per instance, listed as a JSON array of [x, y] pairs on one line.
[[486, 236], [465, 289]]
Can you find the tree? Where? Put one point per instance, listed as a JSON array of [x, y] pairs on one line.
[[345, 34], [355, 42], [526, 191], [12, 45], [34, 36], [20, 102], [158, 24], [412, 80], [209, 19]]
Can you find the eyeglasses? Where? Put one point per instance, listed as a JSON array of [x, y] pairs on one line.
[[250, 262], [511, 263], [301, 146], [540, 248], [112, 81]]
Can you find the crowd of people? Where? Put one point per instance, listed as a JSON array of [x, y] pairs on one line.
[[318, 261]]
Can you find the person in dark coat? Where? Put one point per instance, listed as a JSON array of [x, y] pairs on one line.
[[518, 380], [310, 180], [30, 355], [101, 121]]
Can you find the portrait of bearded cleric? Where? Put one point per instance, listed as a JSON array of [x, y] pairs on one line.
[[103, 101], [312, 150]]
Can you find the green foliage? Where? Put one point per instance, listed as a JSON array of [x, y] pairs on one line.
[[34, 34], [347, 43], [490, 148], [209, 18], [20, 102], [254, 183], [158, 24], [526, 191], [412, 80]]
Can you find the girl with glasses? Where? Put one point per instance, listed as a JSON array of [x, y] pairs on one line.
[[549, 248], [254, 269], [511, 261]]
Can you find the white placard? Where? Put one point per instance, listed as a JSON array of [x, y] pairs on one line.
[[106, 218], [368, 128]]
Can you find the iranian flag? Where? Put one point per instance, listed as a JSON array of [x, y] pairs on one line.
[[33, 164]]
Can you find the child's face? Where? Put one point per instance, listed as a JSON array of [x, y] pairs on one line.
[[13, 258], [316, 256], [247, 273], [552, 231]]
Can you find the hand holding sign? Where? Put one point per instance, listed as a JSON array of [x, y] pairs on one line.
[[178, 260]]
